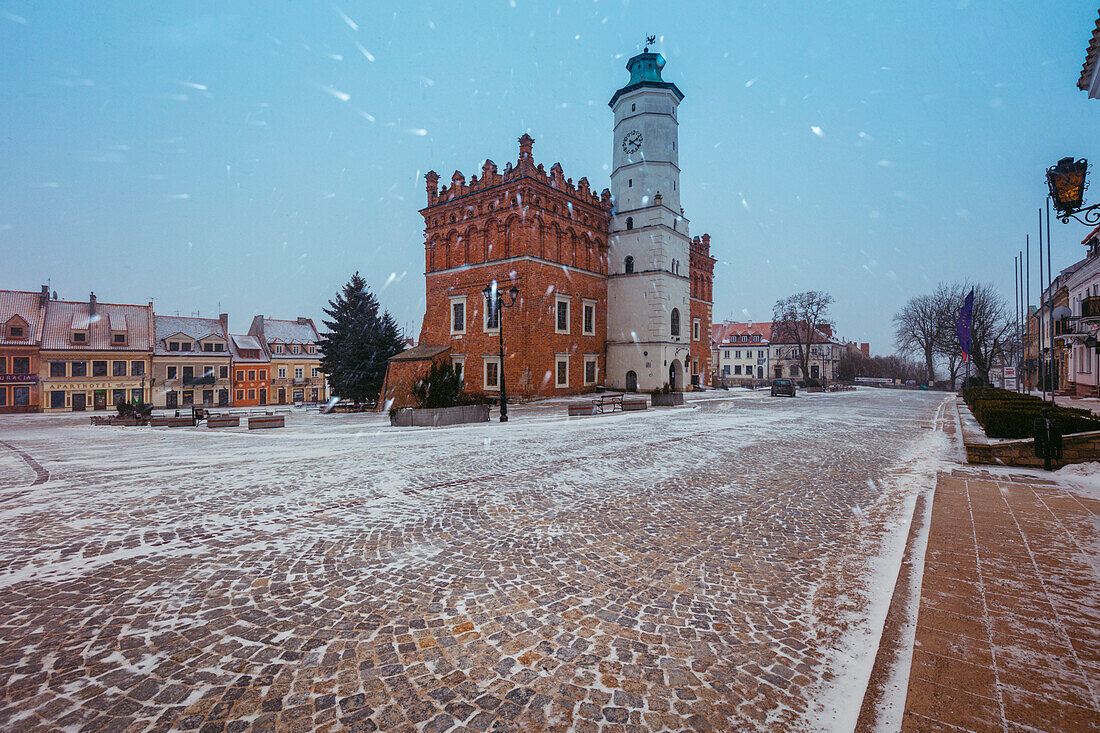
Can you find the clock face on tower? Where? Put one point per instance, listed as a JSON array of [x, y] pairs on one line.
[[632, 141]]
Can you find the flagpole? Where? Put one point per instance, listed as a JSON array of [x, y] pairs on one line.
[[1027, 306], [1016, 323], [1039, 326], [1020, 323], [1050, 302]]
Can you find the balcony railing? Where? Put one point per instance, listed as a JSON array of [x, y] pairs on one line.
[[1090, 308]]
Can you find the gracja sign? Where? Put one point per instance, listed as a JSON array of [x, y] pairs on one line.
[[24, 378]]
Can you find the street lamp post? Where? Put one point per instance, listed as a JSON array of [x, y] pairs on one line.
[[1067, 181], [494, 301]]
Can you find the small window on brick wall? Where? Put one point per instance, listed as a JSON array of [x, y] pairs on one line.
[[458, 315]]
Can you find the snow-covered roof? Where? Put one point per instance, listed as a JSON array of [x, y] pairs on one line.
[[26, 306], [275, 330], [720, 332], [179, 327], [237, 342], [246, 342], [64, 316]]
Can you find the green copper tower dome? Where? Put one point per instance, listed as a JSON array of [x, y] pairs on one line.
[[645, 71]]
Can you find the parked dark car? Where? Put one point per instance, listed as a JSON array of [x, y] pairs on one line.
[[783, 387]]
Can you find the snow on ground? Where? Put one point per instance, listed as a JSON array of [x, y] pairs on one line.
[[720, 563]]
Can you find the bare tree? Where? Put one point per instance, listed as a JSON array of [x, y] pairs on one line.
[[797, 319], [947, 300], [992, 330], [916, 330]]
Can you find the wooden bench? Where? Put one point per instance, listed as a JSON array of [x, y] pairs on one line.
[[266, 421], [609, 401], [171, 422], [223, 421]]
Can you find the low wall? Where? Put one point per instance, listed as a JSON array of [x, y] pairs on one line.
[[409, 417], [1076, 448]]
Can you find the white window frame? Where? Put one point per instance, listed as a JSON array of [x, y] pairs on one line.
[[485, 362], [559, 359], [558, 300], [282, 372], [455, 299], [585, 305], [590, 359], [459, 360], [485, 321], [696, 328], [299, 373]]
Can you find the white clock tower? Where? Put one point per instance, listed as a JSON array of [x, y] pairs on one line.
[[648, 309]]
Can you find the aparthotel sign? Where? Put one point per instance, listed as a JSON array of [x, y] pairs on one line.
[[93, 385], [18, 378]]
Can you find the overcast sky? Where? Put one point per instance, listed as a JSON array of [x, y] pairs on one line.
[[250, 156]]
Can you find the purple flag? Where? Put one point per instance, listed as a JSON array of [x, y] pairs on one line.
[[963, 329]]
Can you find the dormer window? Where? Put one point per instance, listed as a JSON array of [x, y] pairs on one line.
[[15, 329], [278, 348], [173, 345], [312, 349], [294, 349], [118, 339], [80, 337]]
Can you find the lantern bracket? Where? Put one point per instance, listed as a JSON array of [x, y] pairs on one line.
[[1091, 214]]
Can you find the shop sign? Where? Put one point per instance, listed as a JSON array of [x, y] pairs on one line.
[[18, 378]]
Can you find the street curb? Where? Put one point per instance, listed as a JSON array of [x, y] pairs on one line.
[[899, 629]]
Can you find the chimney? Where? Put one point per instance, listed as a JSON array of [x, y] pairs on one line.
[[44, 296], [224, 319], [91, 303]]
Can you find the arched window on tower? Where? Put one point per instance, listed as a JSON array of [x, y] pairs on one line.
[[628, 265], [629, 223], [675, 321]]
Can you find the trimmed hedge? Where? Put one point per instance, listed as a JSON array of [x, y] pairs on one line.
[[1005, 414]]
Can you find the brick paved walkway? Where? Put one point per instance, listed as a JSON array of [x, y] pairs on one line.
[[684, 569], [1008, 634]]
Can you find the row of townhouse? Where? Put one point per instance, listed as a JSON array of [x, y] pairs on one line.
[[744, 353], [1071, 305], [58, 355]]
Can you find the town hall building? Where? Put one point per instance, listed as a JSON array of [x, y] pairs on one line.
[[610, 289]]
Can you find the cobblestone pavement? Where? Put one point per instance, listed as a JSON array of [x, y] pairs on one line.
[[1008, 635], [699, 568]]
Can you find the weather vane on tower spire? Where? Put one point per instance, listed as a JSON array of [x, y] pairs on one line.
[[649, 40]]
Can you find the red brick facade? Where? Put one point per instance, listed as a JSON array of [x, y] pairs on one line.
[[701, 272], [543, 234], [533, 230]]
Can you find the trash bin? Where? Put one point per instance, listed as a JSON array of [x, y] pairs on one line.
[[1048, 439]]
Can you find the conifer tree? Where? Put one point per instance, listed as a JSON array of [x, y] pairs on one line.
[[359, 341]]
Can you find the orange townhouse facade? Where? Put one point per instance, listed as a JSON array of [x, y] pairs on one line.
[[251, 371]]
